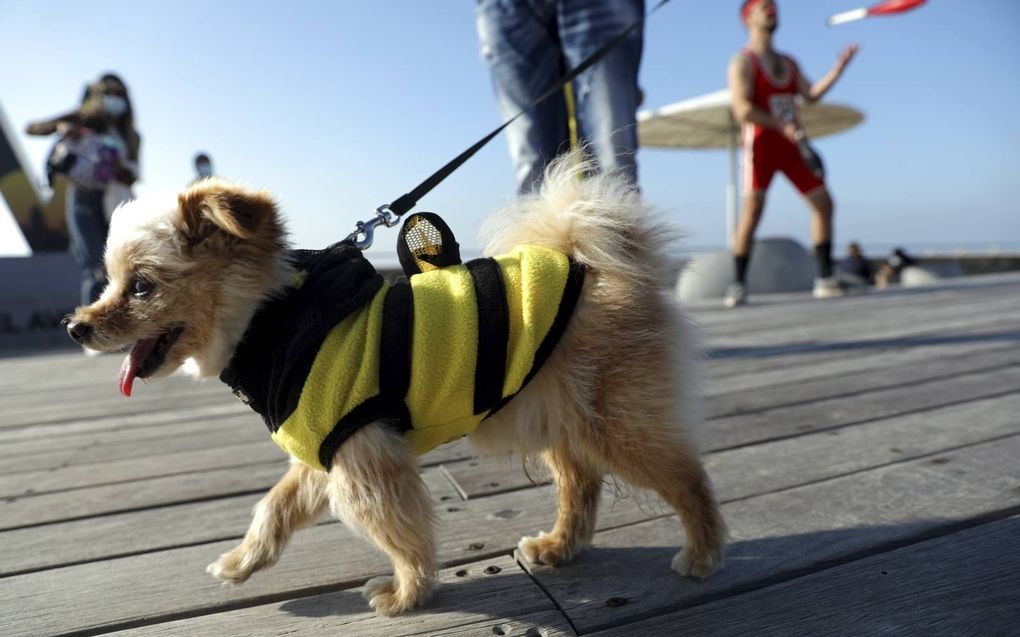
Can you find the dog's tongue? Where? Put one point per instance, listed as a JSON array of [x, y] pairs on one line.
[[129, 368]]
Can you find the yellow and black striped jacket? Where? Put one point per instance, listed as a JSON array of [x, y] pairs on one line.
[[434, 355]]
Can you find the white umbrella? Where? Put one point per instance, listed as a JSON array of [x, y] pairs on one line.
[[707, 121]]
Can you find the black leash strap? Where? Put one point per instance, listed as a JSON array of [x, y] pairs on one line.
[[389, 215]]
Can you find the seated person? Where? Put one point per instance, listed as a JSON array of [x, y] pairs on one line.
[[855, 266], [894, 265]]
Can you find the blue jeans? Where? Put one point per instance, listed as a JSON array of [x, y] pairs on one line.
[[86, 225], [529, 44]]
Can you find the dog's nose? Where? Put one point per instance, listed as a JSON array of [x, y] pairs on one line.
[[79, 331]]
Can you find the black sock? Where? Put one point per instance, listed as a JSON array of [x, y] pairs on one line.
[[741, 262], [823, 252]]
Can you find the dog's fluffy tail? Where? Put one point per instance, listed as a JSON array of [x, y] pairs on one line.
[[626, 248], [597, 219]]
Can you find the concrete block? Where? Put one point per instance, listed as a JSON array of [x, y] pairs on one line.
[[778, 264]]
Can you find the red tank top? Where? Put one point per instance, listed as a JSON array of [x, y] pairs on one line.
[[777, 100]]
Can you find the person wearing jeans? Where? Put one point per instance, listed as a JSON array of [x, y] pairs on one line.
[[87, 227], [529, 45]]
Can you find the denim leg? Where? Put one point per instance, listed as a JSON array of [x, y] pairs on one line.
[[607, 93], [86, 225], [519, 40]]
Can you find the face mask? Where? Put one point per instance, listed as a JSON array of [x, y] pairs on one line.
[[114, 105], [204, 170]]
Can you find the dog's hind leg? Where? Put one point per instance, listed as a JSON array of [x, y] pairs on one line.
[[375, 488], [579, 484], [295, 501], [661, 460]]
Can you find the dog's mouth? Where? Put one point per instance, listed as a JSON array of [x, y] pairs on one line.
[[145, 357]]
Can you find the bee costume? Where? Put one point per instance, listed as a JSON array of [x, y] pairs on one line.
[[433, 356]]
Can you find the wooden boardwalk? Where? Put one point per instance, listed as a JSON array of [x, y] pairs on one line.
[[866, 451]]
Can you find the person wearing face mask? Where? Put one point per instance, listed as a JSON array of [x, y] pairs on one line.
[[99, 151], [203, 167]]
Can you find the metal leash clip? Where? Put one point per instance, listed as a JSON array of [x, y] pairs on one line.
[[384, 216]]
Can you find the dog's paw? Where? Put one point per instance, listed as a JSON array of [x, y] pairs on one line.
[[384, 598], [700, 566], [232, 568], [544, 549]]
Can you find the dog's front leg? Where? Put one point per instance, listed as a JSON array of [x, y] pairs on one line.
[[295, 501], [375, 488]]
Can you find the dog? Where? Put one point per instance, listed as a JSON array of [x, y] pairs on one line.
[[618, 392]]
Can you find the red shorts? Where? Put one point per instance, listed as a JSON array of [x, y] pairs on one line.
[[766, 154]]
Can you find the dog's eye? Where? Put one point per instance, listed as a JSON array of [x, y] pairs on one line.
[[142, 288]]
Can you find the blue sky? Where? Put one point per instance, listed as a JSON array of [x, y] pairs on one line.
[[341, 106]]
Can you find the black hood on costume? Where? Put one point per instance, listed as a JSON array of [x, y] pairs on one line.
[[276, 353]]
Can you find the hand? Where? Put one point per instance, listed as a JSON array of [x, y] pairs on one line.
[[67, 128], [40, 128], [792, 132], [846, 55]]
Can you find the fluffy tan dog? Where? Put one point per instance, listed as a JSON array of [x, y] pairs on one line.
[[618, 393]]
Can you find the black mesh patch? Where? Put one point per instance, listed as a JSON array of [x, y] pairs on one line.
[[426, 243]]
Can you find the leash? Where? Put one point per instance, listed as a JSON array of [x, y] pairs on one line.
[[389, 214]]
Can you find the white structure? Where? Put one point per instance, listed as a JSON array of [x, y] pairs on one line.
[[780, 265]]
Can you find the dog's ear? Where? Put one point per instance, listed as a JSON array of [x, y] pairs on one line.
[[214, 205]]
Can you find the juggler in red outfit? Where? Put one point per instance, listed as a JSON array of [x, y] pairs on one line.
[[767, 151]]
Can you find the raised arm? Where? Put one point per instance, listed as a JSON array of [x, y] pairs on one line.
[[814, 92], [53, 125], [744, 110]]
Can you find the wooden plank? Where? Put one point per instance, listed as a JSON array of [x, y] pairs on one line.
[[130, 442], [738, 473], [36, 374], [150, 530], [848, 384], [802, 363], [173, 583], [33, 509], [748, 470], [498, 522], [785, 535], [490, 475], [16, 512], [728, 360], [960, 584], [142, 435], [16, 371], [102, 389], [116, 592], [770, 467], [52, 434], [766, 317], [123, 534], [502, 520], [133, 469], [490, 597], [744, 429], [913, 351], [473, 482], [59, 412], [731, 360]]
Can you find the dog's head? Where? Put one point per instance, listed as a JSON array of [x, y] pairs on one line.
[[185, 278]]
